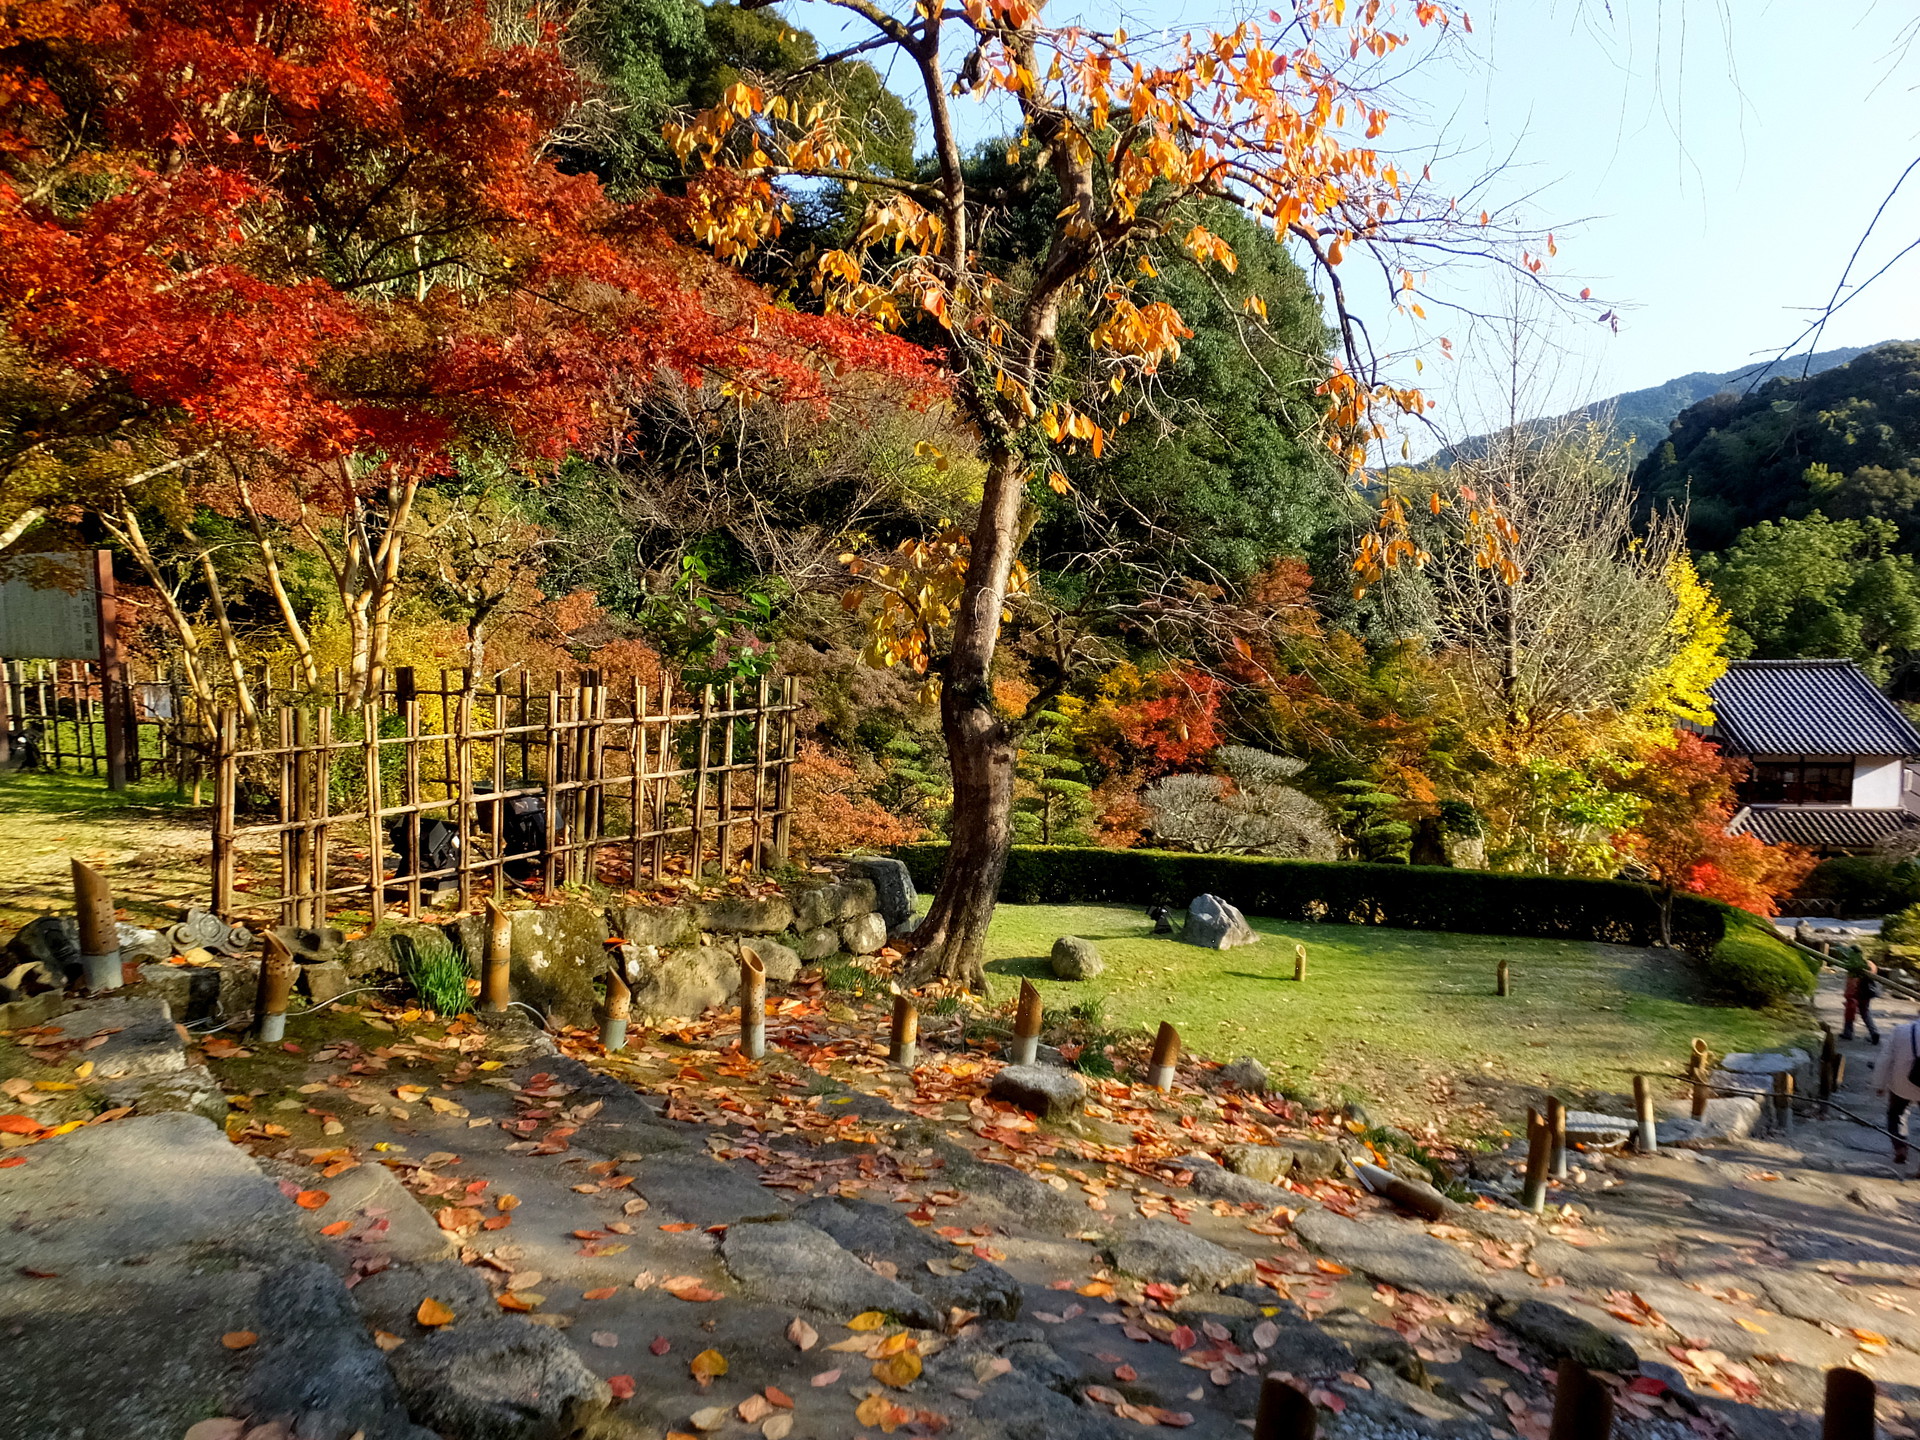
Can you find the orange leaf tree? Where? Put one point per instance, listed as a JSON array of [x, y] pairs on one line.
[[1139, 138]]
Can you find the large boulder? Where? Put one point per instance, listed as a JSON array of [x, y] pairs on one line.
[[499, 1380], [864, 934], [1045, 1090], [1161, 1250], [558, 951], [1246, 1073], [893, 889], [1075, 959], [818, 943], [662, 926], [682, 982], [922, 1262], [790, 1262], [828, 904], [1213, 923], [1565, 1336]]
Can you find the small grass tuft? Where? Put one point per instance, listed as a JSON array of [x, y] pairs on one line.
[[435, 970]]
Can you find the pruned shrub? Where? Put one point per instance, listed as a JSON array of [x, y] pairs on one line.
[[1250, 810]]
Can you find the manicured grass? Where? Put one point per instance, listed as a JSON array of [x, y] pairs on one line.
[[1404, 1021]]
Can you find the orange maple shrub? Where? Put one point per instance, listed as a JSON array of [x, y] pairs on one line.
[[832, 811]]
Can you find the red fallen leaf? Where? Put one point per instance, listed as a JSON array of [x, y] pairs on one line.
[[496, 1222], [589, 1234], [1181, 1337], [1328, 1399], [338, 1227], [1647, 1385], [11, 1161], [1125, 1374], [1178, 1419], [33, 1274], [21, 1125], [621, 1386], [778, 1397], [661, 1345], [1103, 1395], [311, 1199]]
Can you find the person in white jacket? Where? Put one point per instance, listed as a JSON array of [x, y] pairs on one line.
[[1897, 1076]]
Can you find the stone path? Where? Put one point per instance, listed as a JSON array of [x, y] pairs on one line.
[[678, 1242]]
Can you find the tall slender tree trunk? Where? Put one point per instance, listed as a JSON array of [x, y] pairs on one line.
[[950, 943]]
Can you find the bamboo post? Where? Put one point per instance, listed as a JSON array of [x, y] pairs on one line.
[[322, 825], [697, 860], [636, 799], [613, 1023], [99, 937], [1849, 1409], [783, 777], [753, 1004], [276, 986], [225, 788], [724, 790], [760, 776], [1026, 1025], [904, 1049], [1783, 1102], [1646, 1138], [1503, 979], [376, 836], [496, 974], [463, 794], [1299, 962], [1533, 1195], [550, 861], [1557, 1128], [1582, 1406], [1285, 1413], [410, 792], [1697, 1073], [1166, 1055]]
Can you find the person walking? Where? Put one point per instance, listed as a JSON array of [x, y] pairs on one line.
[[1862, 989], [1897, 1076]]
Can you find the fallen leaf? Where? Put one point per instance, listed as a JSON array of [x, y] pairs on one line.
[[779, 1397], [688, 1287], [338, 1227], [1125, 1374], [867, 1320], [432, 1313], [777, 1427], [753, 1409], [621, 1386], [711, 1418], [216, 1430], [496, 1222], [826, 1378], [706, 1366], [1746, 1324], [517, 1302], [456, 1218], [311, 1199], [239, 1339], [504, 1203], [803, 1335], [605, 1339], [387, 1340], [661, 1345], [1265, 1334], [898, 1371], [605, 1292]]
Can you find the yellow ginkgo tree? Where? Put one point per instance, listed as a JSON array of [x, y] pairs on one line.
[[1140, 135]]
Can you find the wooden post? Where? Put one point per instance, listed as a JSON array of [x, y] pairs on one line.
[[753, 1004], [1646, 1138], [1829, 1066], [463, 794], [496, 974], [904, 1049], [1783, 1102], [1299, 962], [1166, 1056], [724, 790], [1582, 1406], [760, 846], [613, 1023], [1026, 1025], [703, 751], [1533, 1195], [1503, 979], [225, 788], [1285, 1413], [276, 985], [1557, 1129], [783, 774], [1697, 1073], [376, 835], [99, 937], [1849, 1410], [113, 672]]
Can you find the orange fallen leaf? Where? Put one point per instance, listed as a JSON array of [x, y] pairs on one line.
[[238, 1339], [679, 1229], [458, 1217], [897, 1371], [338, 1227], [516, 1301], [432, 1313], [778, 1397], [496, 1222], [505, 1202], [311, 1199], [688, 1287], [1331, 1267], [605, 1292]]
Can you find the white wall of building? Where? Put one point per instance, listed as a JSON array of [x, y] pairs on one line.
[[1877, 783]]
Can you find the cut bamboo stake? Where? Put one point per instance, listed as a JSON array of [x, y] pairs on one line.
[[276, 988], [1411, 1195], [1646, 1141], [1697, 1073], [1026, 1025], [1533, 1195], [99, 936], [1299, 961], [905, 1048], [613, 1023], [1166, 1055], [753, 1004], [1557, 1130], [1783, 1101], [1850, 1400], [1582, 1406], [496, 976], [1285, 1413], [1503, 979]]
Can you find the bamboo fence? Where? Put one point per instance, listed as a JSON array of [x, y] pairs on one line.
[[628, 787]]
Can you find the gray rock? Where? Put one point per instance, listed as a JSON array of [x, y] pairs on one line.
[[878, 1232], [375, 960], [782, 962], [1390, 1399], [682, 983], [1309, 1159], [1810, 1296], [1215, 924], [1162, 1250], [142, 1040], [746, 914], [864, 935], [1075, 959], [818, 943], [792, 1263], [325, 980], [557, 952], [1312, 1351], [1727, 1118], [893, 889], [662, 926], [1565, 1336], [819, 905], [1013, 1191], [139, 943], [1599, 1132], [191, 1090], [310, 945], [1393, 1251], [1217, 1183], [190, 992], [1044, 1090], [1408, 1168], [1247, 1074], [499, 1380]]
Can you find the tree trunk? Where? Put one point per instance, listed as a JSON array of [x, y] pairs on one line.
[[950, 944]]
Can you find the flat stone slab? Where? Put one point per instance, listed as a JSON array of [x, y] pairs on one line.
[[1393, 1251], [1812, 1297], [142, 1039], [1043, 1090], [1216, 1182], [501, 1380], [1565, 1336], [934, 1270], [1602, 1132], [792, 1263], [1730, 1117], [1162, 1250]]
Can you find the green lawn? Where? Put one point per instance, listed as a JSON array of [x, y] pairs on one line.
[[1405, 1021]]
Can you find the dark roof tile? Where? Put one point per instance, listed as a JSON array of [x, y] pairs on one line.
[[1807, 707], [1821, 827]]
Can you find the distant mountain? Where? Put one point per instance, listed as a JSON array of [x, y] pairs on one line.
[[1641, 417]]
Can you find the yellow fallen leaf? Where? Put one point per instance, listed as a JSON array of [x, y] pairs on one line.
[[707, 1365], [892, 1345], [54, 1085], [432, 1312], [1746, 1324], [899, 1370], [83, 1070], [867, 1320], [441, 1106]]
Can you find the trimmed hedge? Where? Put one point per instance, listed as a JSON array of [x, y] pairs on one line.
[[1755, 968], [1860, 885]]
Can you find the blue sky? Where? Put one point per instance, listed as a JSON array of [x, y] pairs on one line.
[[1707, 165]]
